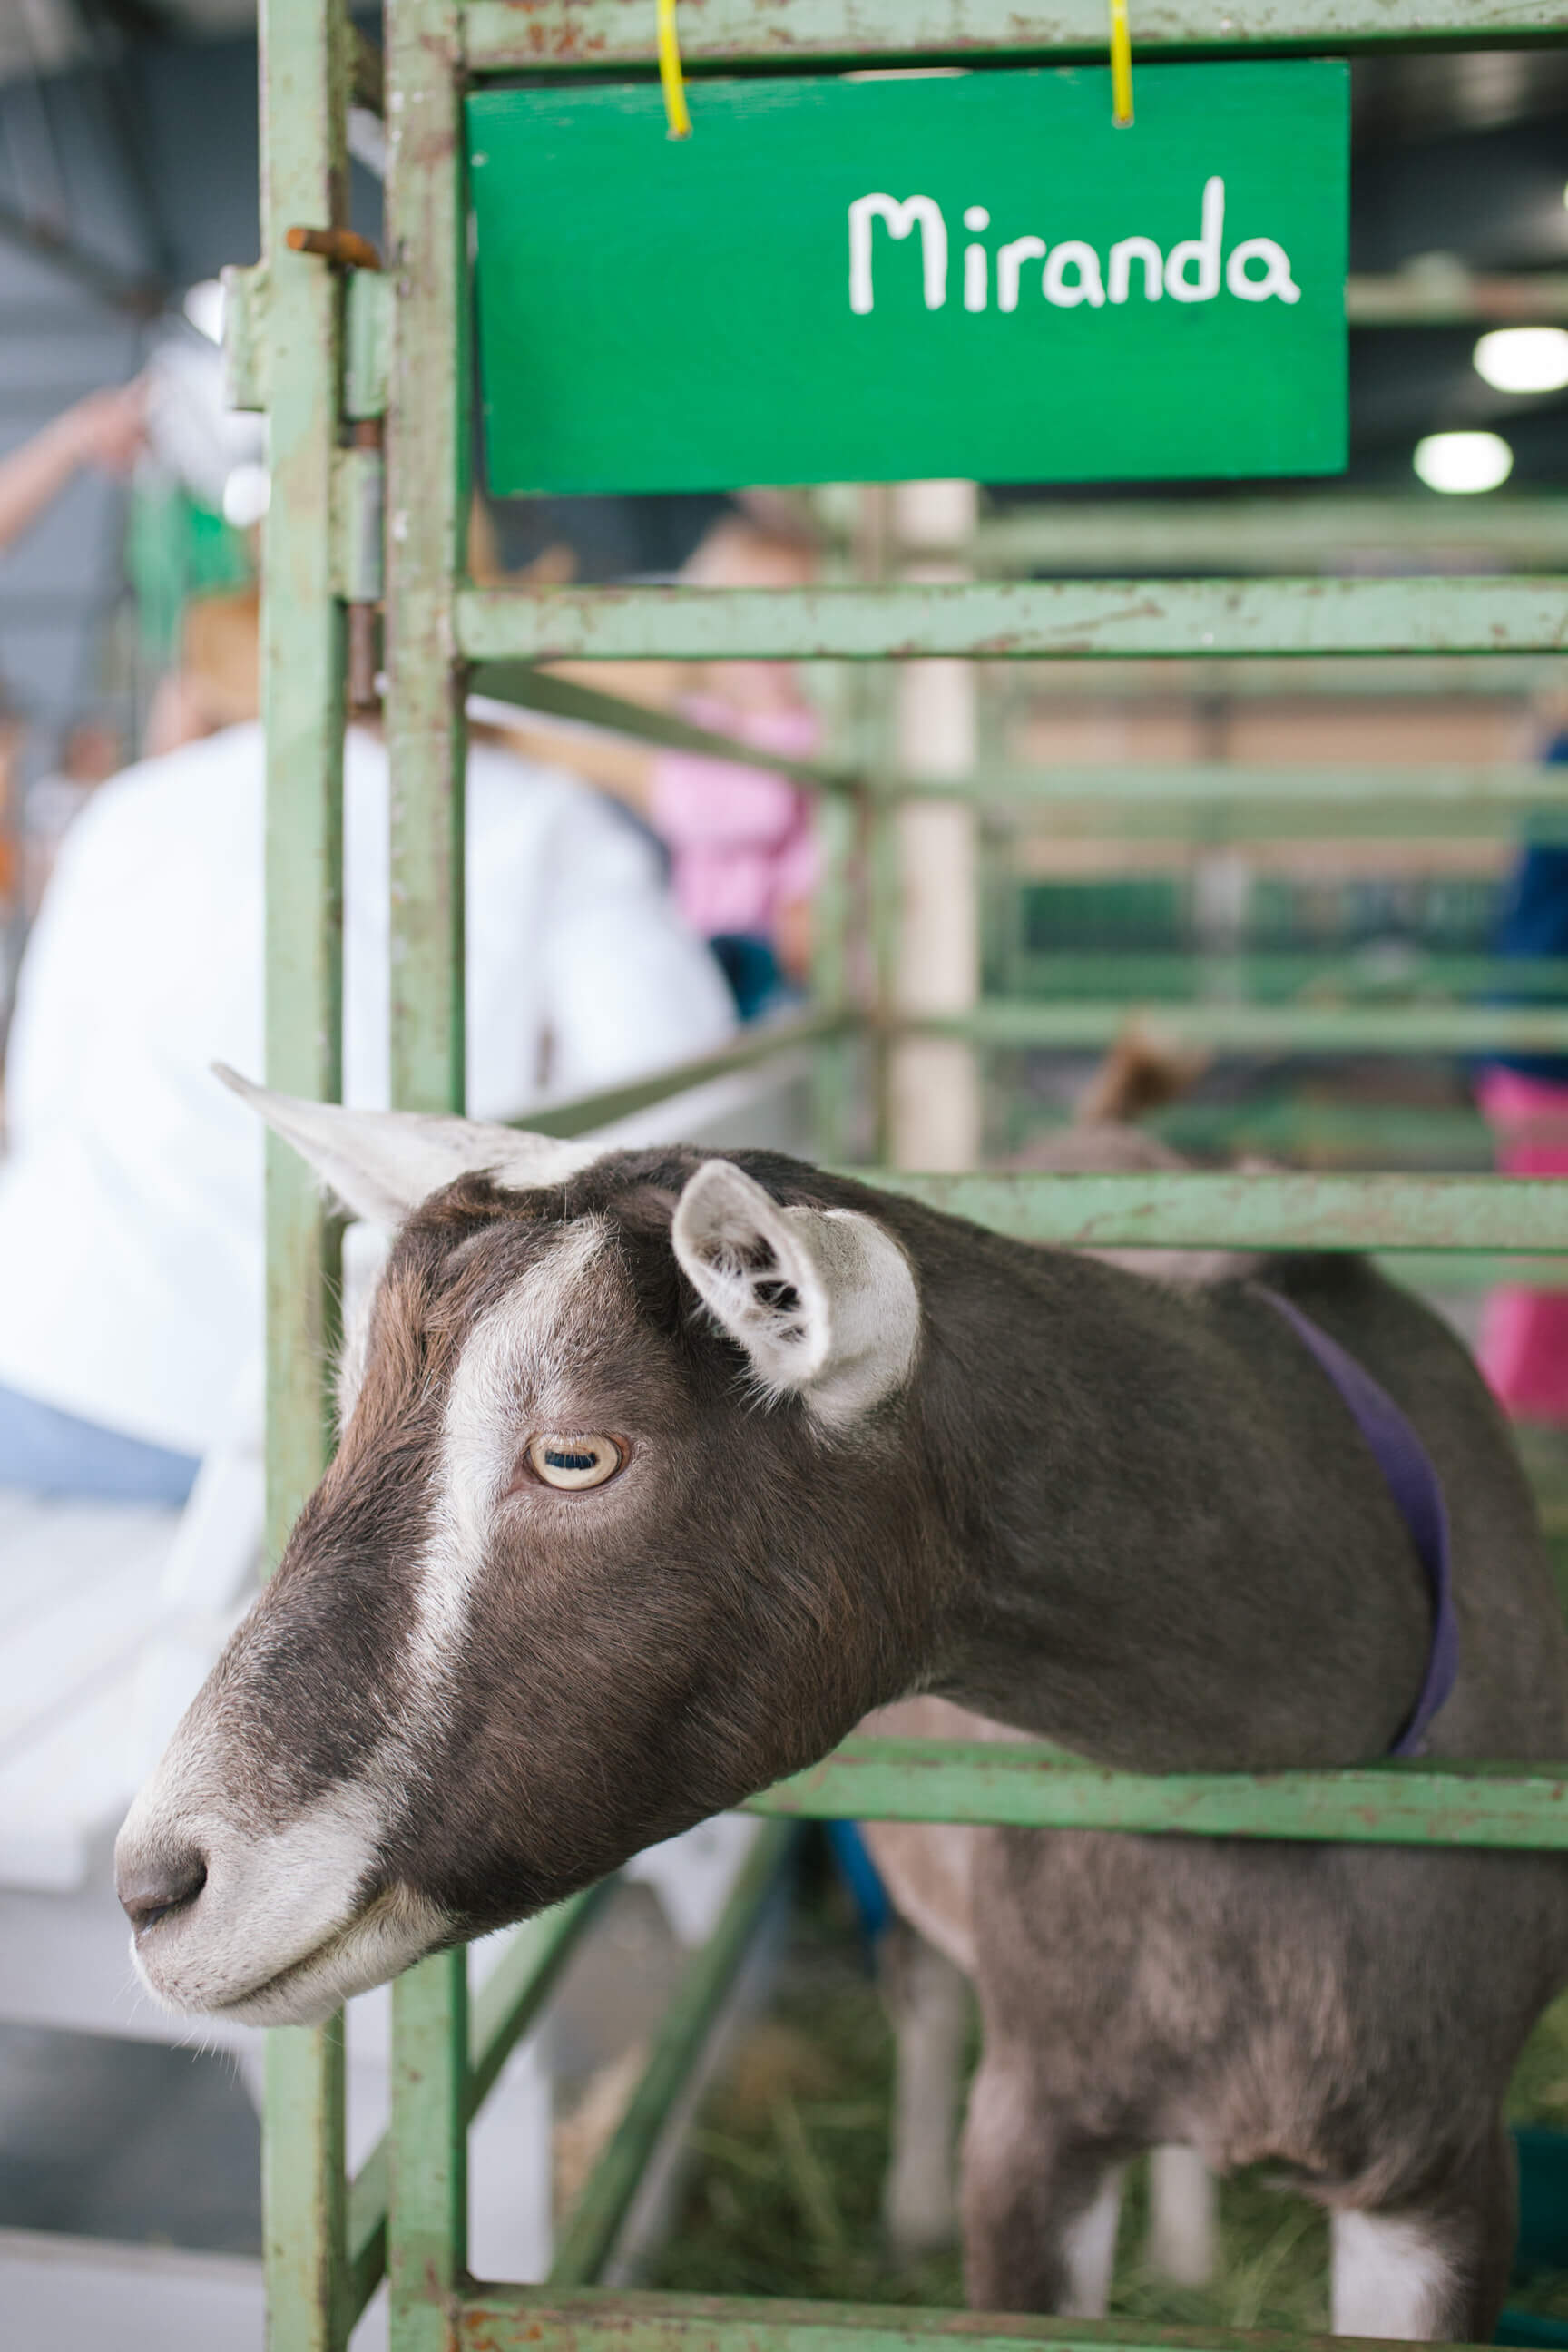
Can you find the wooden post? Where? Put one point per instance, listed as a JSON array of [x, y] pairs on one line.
[[935, 1102]]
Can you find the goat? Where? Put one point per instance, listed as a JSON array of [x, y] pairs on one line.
[[663, 1469]]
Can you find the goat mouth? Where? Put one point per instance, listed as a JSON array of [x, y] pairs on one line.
[[283, 1977], [385, 1935]]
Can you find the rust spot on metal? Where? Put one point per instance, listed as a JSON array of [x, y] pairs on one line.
[[344, 247]]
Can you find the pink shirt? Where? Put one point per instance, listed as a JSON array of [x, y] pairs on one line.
[[1523, 1346], [741, 840]]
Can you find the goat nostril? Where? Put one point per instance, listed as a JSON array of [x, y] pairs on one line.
[[150, 1895]]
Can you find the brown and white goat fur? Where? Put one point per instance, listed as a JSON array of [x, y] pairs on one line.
[[862, 1452]]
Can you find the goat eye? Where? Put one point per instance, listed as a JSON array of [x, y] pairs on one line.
[[574, 1461]]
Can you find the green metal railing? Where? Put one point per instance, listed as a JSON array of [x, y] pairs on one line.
[[1018, 620], [1247, 534], [605, 36], [1327, 795], [314, 352]]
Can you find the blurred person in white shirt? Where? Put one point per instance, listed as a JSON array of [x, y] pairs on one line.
[[130, 1211]]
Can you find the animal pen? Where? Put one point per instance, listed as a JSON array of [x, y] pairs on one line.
[[366, 375]]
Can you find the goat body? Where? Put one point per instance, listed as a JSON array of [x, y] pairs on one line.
[[856, 1453], [1350, 2014]]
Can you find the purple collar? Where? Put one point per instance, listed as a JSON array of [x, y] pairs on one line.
[[1418, 1497]]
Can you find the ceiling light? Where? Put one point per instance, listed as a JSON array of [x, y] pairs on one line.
[[202, 306], [1523, 358], [1463, 461]]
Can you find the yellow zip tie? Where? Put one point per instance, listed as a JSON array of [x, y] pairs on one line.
[[1121, 63], [670, 75]]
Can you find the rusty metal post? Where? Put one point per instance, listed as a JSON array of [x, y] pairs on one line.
[[426, 455], [428, 492], [304, 97]]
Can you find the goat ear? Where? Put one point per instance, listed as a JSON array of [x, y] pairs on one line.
[[383, 1163], [823, 1300]]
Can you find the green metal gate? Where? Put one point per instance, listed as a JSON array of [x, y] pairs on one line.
[[364, 374]]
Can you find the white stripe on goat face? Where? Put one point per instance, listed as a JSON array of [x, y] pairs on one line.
[[287, 1901], [514, 1362]]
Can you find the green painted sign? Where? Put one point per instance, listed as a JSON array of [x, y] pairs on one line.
[[838, 279]]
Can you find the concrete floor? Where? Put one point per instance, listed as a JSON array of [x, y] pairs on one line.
[[84, 2298], [130, 2172], [129, 2197], [127, 2140]]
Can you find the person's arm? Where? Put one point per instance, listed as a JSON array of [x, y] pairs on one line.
[[106, 429]]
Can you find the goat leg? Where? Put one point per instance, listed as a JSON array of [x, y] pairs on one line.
[[1182, 2217], [1436, 2270], [1041, 2198], [928, 2000]]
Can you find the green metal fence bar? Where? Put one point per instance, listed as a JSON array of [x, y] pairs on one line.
[[596, 2219], [544, 36], [565, 698], [1514, 785], [1269, 977], [1316, 1133], [304, 2189], [506, 2006], [304, 89], [1033, 1786], [1243, 823], [839, 822], [1311, 678], [1401, 825], [301, 684], [428, 2212], [426, 501], [1033, 620], [1199, 1209], [1217, 823], [583, 1113], [428, 452], [1284, 1122], [369, 2193], [507, 2320], [1272, 1028], [1272, 534]]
